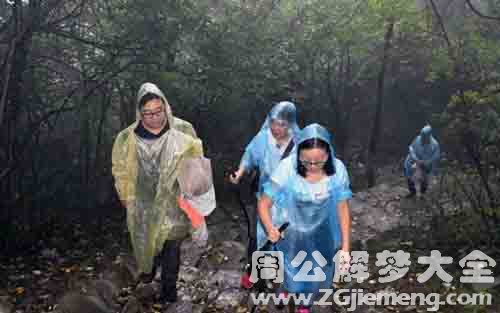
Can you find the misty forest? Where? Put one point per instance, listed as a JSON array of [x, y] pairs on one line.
[[373, 73]]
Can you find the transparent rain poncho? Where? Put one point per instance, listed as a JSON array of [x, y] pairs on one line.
[[312, 216], [261, 152], [145, 173], [429, 153]]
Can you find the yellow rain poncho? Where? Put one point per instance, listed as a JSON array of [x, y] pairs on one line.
[[145, 173]]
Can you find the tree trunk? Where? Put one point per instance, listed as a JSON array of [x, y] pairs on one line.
[[345, 109], [375, 133], [98, 170], [127, 109]]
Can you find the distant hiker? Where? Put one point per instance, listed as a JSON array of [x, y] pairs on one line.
[[275, 140], [146, 157], [422, 161]]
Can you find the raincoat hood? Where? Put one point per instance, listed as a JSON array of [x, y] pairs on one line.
[[152, 88], [286, 111], [426, 130], [426, 133], [317, 131]]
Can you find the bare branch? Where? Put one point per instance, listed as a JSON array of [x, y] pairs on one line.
[[478, 13], [75, 13], [35, 127], [441, 23], [69, 35]]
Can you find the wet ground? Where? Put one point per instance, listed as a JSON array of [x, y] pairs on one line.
[[80, 256]]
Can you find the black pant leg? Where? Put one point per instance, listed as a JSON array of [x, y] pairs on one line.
[[423, 186], [252, 233], [170, 264], [411, 186]]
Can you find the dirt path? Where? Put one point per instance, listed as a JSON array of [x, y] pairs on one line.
[[74, 255]]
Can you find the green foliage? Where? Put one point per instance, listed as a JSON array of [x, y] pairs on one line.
[[475, 114], [472, 121], [225, 61]]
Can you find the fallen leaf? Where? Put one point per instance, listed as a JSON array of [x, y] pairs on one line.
[[242, 309], [20, 290]]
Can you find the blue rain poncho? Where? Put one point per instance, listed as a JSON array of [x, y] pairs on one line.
[[262, 152], [429, 153], [311, 210]]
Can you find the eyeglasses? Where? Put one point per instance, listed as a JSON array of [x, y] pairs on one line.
[[149, 114], [311, 164]]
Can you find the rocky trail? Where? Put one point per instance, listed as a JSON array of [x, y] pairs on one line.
[[86, 267]]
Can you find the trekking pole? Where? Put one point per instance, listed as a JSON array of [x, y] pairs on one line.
[[260, 285]]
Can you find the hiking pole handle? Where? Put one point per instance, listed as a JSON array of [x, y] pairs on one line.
[[269, 243]]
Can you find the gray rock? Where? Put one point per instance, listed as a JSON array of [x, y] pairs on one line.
[[230, 298], [188, 274], [357, 206], [234, 251], [198, 308], [212, 295], [384, 188], [222, 232], [225, 279], [187, 298], [180, 307], [78, 303], [124, 271], [5, 307], [362, 195], [104, 290], [191, 252], [200, 295], [146, 291], [132, 306], [227, 255]]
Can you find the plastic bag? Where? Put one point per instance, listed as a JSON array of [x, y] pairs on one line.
[[192, 213], [200, 235], [195, 176], [196, 184]]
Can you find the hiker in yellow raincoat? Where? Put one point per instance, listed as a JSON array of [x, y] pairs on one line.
[[146, 157]]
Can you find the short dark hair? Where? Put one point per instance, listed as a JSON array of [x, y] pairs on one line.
[[148, 97], [315, 143]]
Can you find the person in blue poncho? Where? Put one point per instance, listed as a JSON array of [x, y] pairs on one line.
[[422, 159], [309, 189], [275, 140]]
